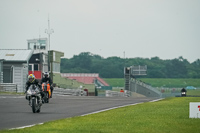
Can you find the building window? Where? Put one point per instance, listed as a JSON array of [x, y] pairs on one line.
[[44, 60], [36, 67], [43, 46], [30, 67], [54, 56]]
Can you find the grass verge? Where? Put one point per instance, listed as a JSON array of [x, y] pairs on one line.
[[193, 92], [168, 115]]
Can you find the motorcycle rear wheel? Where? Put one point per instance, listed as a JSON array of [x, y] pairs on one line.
[[46, 97]]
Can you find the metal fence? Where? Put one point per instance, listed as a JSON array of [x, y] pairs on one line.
[[135, 87], [170, 92]]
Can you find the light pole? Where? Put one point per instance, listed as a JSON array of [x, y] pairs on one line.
[[49, 32]]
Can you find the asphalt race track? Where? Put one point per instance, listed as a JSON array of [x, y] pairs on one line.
[[15, 111]]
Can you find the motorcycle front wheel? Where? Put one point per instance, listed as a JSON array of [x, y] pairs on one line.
[[34, 105]]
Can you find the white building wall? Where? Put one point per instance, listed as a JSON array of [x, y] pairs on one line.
[[25, 75], [1, 72], [20, 74]]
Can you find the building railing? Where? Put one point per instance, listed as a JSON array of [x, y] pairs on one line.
[[8, 87], [147, 86], [144, 89]]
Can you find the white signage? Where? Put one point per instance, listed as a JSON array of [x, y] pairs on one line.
[[194, 110]]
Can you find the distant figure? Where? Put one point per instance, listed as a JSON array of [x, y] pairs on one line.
[[47, 79], [183, 92], [121, 90]]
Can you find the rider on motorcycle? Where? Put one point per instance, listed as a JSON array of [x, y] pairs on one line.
[[47, 79], [32, 80], [183, 92]]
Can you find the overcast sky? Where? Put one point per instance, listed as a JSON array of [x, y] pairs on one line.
[[139, 28]]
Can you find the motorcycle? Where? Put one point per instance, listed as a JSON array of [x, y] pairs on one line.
[[183, 94], [47, 92], [34, 97]]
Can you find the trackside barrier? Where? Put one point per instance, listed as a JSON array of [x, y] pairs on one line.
[[144, 89], [8, 87], [73, 92], [149, 91], [117, 94]]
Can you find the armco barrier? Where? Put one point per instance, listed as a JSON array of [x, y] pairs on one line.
[[73, 92], [117, 94]]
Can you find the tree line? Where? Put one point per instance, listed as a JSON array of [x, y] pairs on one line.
[[113, 67]]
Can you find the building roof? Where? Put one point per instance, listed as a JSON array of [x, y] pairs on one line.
[[18, 55]]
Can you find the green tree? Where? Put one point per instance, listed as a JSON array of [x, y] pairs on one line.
[[113, 67], [176, 69], [83, 60]]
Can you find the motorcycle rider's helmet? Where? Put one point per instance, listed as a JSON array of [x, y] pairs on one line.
[[31, 78], [46, 74]]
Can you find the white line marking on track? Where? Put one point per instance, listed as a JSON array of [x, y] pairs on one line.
[[157, 100], [120, 107], [26, 126], [111, 108]]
